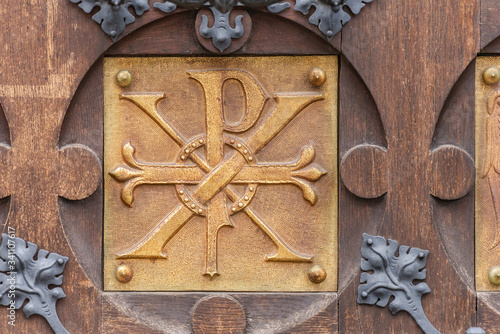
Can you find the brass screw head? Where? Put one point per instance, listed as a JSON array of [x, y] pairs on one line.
[[491, 75], [317, 77], [124, 273], [124, 78], [494, 275], [317, 274]]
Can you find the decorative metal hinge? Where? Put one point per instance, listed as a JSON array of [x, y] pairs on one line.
[[328, 15], [22, 277]]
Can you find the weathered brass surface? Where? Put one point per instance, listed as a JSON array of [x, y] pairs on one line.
[[487, 174], [220, 173], [124, 78], [494, 275], [124, 273], [491, 75], [317, 274], [317, 77]]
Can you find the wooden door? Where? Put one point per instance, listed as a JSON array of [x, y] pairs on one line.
[[405, 168]]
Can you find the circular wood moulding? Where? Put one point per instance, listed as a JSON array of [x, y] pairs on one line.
[[364, 171], [218, 315], [452, 172]]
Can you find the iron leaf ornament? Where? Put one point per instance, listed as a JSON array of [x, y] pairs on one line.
[[328, 15], [113, 15], [394, 276], [23, 277]]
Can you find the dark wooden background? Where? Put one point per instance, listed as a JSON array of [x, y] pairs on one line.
[[406, 89]]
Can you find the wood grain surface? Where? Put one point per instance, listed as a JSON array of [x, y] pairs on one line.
[[409, 65], [405, 85], [265, 312]]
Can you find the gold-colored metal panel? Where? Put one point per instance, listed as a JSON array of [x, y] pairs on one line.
[[487, 171], [220, 174]]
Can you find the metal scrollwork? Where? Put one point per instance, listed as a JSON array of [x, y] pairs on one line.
[[328, 15], [24, 277], [393, 276]]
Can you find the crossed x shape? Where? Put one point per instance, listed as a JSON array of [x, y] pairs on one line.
[[214, 175]]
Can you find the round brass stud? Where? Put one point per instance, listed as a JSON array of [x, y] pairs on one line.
[[124, 78], [317, 274], [494, 275], [124, 273], [317, 77], [491, 75]]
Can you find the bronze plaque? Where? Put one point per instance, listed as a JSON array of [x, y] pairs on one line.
[[221, 174], [487, 175]]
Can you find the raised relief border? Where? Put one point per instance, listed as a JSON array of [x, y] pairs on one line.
[[178, 208]]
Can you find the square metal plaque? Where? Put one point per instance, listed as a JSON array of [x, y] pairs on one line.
[[220, 174]]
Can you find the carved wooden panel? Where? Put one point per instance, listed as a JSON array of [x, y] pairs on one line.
[[219, 171]]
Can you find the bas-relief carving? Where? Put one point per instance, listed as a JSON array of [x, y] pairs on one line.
[[210, 166], [487, 175], [492, 159], [214, 172]]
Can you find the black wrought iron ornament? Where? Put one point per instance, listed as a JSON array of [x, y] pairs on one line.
[[222, 6], [221, 32], [328, 15], [113, 15], [23, 277], [393, 276]]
